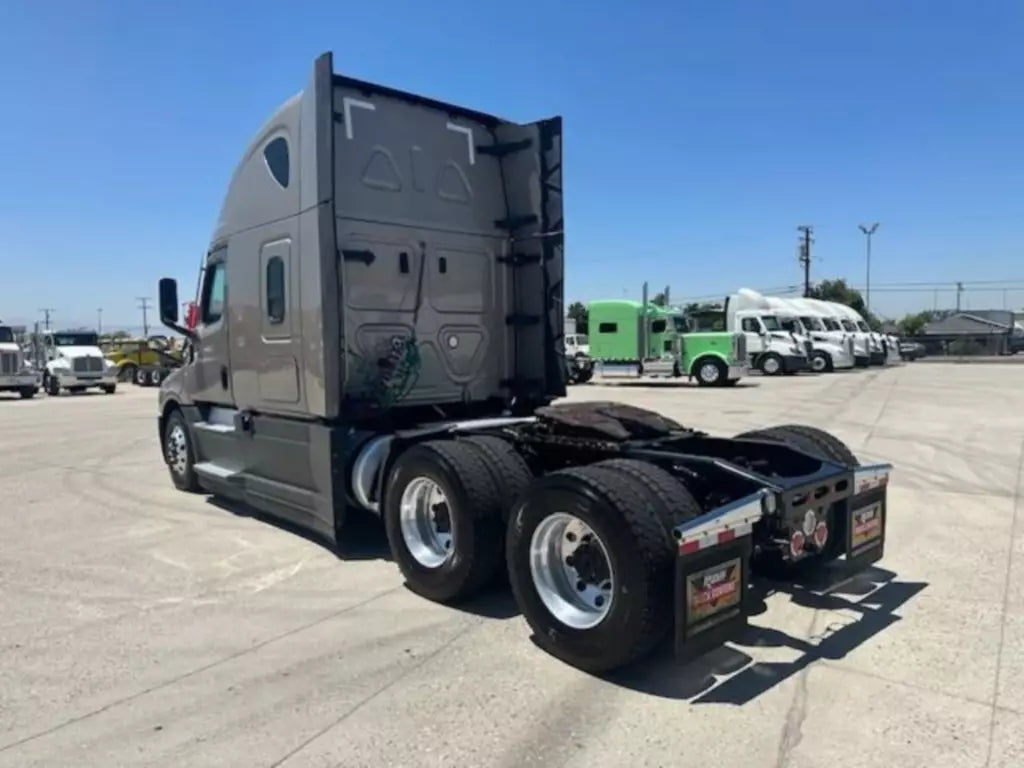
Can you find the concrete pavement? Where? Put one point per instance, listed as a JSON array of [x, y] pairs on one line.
[[142, 626]]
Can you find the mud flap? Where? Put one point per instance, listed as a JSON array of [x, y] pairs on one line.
[[866, 516], [713, 575]]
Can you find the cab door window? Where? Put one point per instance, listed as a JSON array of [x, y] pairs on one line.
[[751, 325], [214, 293]]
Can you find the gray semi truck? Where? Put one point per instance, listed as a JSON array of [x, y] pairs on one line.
[[379, 327]]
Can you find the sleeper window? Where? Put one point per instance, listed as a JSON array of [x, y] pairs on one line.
[[275, 290], [276, 155]]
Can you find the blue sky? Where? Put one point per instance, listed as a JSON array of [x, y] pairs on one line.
[[698, 134]]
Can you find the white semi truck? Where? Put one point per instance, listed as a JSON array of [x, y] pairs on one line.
[[16, 374], [877, 352], [395, 268], [827, 353], [771, 348], [76, 363]]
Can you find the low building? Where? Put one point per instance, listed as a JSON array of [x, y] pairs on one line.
[[977, 332]]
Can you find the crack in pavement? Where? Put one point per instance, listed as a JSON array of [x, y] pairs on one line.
[[193, 672], [1000, 648]]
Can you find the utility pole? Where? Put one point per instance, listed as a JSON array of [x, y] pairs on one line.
[[805, 256], [868, 232], [144, 306], [47, 311], [959, 290], [99, 321]]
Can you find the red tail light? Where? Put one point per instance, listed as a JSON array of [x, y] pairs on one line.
[[192, 316]]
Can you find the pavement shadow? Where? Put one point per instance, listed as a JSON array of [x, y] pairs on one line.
[[873, 594], [361, 538]]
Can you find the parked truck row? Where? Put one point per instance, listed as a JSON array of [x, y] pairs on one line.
[[378, 327], [718, 346]]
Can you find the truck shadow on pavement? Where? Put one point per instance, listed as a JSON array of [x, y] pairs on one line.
[[876, 594], [364, 539], [670, 384]]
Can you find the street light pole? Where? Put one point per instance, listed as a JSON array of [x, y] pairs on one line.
[[868, 232]]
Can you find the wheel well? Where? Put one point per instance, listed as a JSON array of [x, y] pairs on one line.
[[704, 358]]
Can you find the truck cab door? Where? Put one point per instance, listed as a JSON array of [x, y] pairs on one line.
[[211, 362], [755, 335]]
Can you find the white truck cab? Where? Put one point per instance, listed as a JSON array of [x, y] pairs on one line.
[[876, 351], [828, 352], [75, 362], [771, 348], [835, 315], [16, 375], [577, 345]]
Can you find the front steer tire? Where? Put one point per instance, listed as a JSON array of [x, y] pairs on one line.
[[473, 507], [625, 519], [179, 454], [52, 386]]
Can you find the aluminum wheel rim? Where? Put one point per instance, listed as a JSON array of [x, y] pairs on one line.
[[818, 363], [709, 373], [771, 365], [140, 377], [578, 600], [425, 516], [155, 377], [177, 449]]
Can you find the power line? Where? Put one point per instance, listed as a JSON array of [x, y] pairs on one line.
[[144, 306]]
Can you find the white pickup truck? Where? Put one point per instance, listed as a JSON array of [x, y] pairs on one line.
[[75, 362], [15, 373]]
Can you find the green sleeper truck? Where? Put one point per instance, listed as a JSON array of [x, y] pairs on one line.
[[620, 342]]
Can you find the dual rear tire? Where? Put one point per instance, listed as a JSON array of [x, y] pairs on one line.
[[589, 551]]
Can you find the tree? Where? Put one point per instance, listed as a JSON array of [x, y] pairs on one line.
[[913, 324], [578, 311]]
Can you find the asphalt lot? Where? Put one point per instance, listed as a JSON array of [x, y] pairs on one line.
[[141, 626]]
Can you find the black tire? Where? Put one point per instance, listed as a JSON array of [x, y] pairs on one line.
[[27, 393], [474, 507], [155, 377], [703, 368], [825, 365], [810, 440], [508, 469], [823, 445], [184, 479], [52, 386], [772, 362], [584, 375], [109, 388], [642, 555], [671, 499], [141, 377]]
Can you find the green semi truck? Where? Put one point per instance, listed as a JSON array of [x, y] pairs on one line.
[[621, 342]]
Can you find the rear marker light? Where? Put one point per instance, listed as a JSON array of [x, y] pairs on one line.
[[821, 535], [796, 544], [689, 547]]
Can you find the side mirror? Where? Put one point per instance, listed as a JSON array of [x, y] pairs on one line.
[[169, 301]]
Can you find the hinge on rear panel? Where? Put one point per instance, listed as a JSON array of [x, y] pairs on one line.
[[519, 259], [500, 150], [515, 222], [518, 318]]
